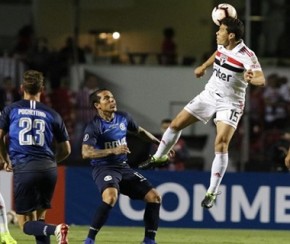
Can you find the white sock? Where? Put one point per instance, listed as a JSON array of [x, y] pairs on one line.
[[169, 138], [218, 169], [3, 216]]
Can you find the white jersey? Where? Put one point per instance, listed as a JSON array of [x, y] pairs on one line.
[[228, 69]]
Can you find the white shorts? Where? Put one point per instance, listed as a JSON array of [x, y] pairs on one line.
[[208, 103]]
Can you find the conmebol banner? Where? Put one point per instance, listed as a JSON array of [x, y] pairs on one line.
[[247, 200]]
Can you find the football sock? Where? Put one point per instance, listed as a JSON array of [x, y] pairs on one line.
[[218, 169], [38, 228], [99, 220], [3, 216], [151, 219], [42, 239], [169, 138]]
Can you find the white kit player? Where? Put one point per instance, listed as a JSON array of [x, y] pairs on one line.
[[234, 67]]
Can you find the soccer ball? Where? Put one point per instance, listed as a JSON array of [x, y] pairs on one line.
[[221, 11]]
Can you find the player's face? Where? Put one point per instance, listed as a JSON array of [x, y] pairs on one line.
[[222, 36], [107, 102]]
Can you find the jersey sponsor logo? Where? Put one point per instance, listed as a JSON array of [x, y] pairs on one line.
[[221, 75], [108, 178], [113, 144]]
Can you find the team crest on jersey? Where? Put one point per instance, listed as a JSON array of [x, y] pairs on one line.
[[108, 178], [223, 59], [86, 137], [122, 126]]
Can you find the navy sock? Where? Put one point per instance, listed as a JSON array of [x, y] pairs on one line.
[[151, 219], [99, 220], [38, 228], [42, 239]]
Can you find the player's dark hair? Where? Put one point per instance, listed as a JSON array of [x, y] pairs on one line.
[[235, 26], [94, 96], [33, 81]]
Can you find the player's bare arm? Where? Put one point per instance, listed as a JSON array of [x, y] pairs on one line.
[[89, 152], [256, 78], [4, 158], [287, 159], [63, 150], [146, 135], [200, 70]]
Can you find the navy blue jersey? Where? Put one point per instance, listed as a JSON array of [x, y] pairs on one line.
[[32, 128], [102, 134]]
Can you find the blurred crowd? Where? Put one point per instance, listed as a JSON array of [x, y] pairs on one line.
[[269, 125]]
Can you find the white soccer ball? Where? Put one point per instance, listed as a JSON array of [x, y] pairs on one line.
[[221, 11]]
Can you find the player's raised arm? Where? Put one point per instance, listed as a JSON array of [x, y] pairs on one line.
[[200, 70]]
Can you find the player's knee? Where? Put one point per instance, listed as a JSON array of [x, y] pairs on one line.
[[153, 196], [158, 199], [221, 145], [110, 199]]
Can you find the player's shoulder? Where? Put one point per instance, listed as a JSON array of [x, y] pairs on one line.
[[243, 50], [45, 108]]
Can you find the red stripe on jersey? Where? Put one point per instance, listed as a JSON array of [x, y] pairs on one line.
[[231, 60], [246, 51]]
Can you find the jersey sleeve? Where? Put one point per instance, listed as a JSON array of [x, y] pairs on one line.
[[252, 62], [4, 119], [90, 135], [132, 125]]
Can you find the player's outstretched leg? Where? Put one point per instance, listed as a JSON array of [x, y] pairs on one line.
[[209, 199]]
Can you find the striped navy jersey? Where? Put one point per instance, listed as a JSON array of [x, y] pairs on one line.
[[32, 128], [102, 134], [228, 70]]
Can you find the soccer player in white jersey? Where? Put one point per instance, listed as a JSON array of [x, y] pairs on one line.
[[234, 67]]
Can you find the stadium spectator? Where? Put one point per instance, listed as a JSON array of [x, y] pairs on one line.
[[168, 48], [234, 67], [83, 109], [62, 99], [38, 140], [105, 144], [276, 99], [8, 93]]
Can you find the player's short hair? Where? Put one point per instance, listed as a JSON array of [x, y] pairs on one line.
[[235, 26], [94, 96], [33, 81]]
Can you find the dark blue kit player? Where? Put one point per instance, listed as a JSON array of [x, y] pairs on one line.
[[104, 142], [37, 140]]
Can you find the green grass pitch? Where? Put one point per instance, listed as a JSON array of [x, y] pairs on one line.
[[130, 235]]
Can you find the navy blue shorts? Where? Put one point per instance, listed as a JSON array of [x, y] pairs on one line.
[[34, 190], [128, 181]]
